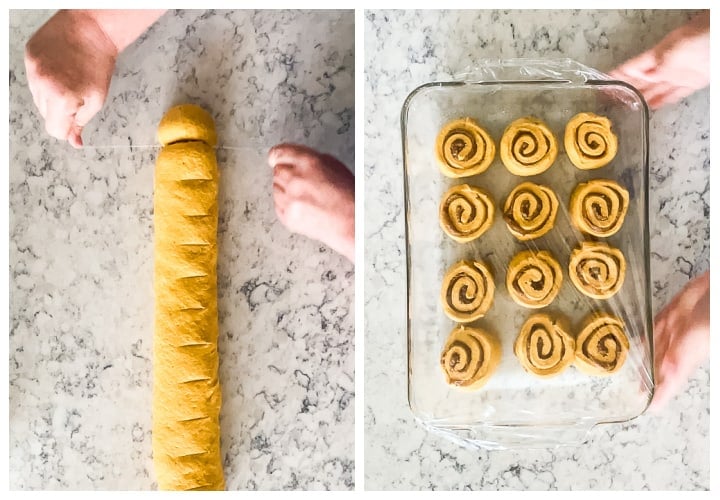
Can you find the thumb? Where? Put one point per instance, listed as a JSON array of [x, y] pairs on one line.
[[75, 136], [643, 64], [92, 103], [58, 121]]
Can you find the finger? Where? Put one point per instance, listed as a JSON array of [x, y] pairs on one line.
[[661, 331], [659, 100], [665, 381], [654, 95], [659, 339], [673, 97], [280, 203], [280, 213], [37, 97], [675, 370], [277, 187], [290, 153], [43, 107], [75, 137], [91, 105], [279, 196], [642, 66], [621, 74], [660, 397], [641, 85], [58, 121], [282, 173]]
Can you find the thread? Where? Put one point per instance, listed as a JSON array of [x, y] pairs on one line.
[[157, 146]]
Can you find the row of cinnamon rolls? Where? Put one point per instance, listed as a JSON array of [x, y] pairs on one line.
[[527, 147], [597, 207], [544, 347], [533, 280]]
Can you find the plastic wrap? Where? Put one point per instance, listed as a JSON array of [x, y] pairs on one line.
[[516, 407]]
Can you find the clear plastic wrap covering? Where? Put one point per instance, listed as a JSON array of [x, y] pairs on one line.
[[528, 329]]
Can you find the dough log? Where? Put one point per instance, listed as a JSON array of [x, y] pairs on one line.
[[186, 390]]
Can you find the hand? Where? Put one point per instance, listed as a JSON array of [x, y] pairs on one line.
[[682, 339], [69, 62], [315, 196], [675, 68]]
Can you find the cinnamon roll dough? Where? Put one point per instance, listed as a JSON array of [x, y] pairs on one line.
[[466, 212], [544, 347], [598, 207], [602, 346], [530, 211], [533, 279], [463, 148], [589, 141], [467, 291], [528, 147], [597, 269], [470, 357], [186, 390]]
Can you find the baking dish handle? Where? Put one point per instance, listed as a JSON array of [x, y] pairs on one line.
[[502, 70]]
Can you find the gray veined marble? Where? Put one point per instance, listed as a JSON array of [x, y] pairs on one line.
[[405, 49], [81, 255]]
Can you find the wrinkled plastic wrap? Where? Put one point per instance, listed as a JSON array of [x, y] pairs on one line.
[[515, 408]]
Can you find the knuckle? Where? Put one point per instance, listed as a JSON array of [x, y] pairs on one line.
[[294, 186], [279, 174]]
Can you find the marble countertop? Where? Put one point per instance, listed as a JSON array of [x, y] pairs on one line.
[[404, 49], [81, 298]]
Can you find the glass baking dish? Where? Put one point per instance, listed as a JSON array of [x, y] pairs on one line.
[[516, 409]]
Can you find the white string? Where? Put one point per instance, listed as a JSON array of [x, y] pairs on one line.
[[157, 146]]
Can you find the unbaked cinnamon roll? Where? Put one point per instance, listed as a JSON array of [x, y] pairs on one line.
[[470, 357], [463, 148], [598, 207], [533, 279], [544, 347], [602, 346], [467, 291], [530, 211], [589, 141], [597, 270], [528, 147], [466, 212]]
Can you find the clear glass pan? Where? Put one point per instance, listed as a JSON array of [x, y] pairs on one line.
[[516, 409]]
